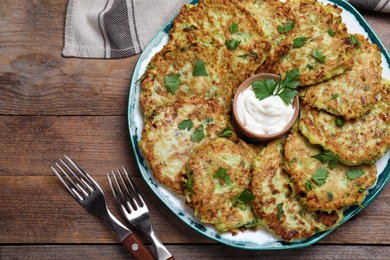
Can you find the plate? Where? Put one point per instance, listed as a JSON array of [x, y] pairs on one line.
[[261, 239]]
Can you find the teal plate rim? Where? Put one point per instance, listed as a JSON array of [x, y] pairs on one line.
[[133, 107]]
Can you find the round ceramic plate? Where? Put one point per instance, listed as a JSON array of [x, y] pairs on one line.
[[255, 240]]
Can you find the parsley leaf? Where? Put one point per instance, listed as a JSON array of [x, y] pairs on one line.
[[285, 89], [287, 95], [308, 185], [300, 41], [327, 156], [291, 79], [353, 174], [331, 32], [320, 176], [232, 44], [264, 88], [198, 135], [233, 28], [172, 82], [245, 197], [318, 55], [222, 174], [226, 132], [185, 124], [280, 210], [200, 69], [286, 27], [355, 40]]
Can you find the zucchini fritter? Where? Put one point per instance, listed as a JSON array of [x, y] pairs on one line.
[[357, 141], [223, 37], [322, 186], [174, 131], [322, 44], [352, 93], [275, 204], [270, 14], [218, 176]]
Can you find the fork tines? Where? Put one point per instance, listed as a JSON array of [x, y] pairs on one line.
[[127, 190], [79, 183]]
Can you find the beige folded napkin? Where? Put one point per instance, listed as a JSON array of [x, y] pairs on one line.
[[123, 28]]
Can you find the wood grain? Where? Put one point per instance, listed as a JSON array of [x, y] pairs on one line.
[[51, 215], [194, 252]]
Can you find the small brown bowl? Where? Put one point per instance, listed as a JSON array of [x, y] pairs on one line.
[[241, 127]]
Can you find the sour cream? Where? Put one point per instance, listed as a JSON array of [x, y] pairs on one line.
[[267, 116]]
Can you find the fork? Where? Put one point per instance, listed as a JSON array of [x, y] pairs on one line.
[[88, 193], [135, 210]]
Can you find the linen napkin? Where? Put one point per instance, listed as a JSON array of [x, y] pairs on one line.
[[122, 28], [373, 5], [114, 28]]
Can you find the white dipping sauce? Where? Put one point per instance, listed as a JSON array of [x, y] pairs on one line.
[[267, 116]]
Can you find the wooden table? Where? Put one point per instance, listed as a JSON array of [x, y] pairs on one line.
[[51, 105]]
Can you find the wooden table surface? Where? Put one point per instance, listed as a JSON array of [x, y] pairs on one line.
[[51, 105]]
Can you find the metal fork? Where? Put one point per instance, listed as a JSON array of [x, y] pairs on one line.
[[135, 210], [88, 193]]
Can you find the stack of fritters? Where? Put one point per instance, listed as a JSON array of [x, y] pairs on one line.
[[275, 203], [296, 186]]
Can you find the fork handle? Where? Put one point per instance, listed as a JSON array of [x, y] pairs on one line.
[[136, 248]]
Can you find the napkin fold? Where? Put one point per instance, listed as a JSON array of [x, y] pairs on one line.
[[122, 28], [373, 5], [114, 28]]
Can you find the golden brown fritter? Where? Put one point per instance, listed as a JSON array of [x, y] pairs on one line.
[[270, 14], [218, 176], [277, 206], [174, 131], [352, 93], [362, 140], [320, 185], [322, 45], [220, 35]]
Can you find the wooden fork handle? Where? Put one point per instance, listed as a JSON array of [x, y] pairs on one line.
[[136, 248]]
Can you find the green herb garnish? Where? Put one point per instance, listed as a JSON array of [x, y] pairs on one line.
[[355, 40], [233, 28], [185, 124], [198, 135], [286, 27], [328, 157], [285, 89], [189, 184], [330, 196], [361, 190], [232, 44], [222, 174], [318, 55], [320, 176], [309, 67], [353, 174], [339, 122], [308, 185], [226, 132], [280, 210], [245, 197], [172, 82], [331, 32], [300, 41], [200, 69]]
